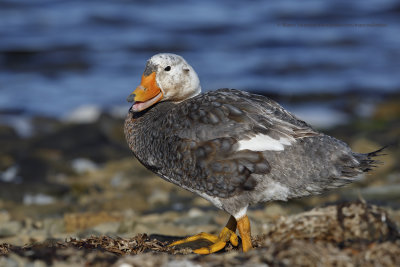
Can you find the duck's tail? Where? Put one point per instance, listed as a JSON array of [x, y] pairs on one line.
[[368, 161]]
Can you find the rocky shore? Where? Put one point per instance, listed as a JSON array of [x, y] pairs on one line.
[[71, 193], [351, 234]]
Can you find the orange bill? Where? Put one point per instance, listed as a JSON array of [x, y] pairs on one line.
[[146, 94]]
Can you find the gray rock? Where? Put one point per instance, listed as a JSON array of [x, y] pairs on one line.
[[10, 228], [83, 165]]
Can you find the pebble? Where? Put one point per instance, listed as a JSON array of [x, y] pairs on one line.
[[82, 165], [84, 114], [38, 199], [10, 228], [181, 263], [107, 228], [4, 216], [194, 212], [10, 175], [158, 197]]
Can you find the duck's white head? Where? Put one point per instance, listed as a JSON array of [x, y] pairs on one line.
[[166, 77]]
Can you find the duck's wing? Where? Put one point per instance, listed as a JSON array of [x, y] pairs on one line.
[[219, 138], [239, 115]]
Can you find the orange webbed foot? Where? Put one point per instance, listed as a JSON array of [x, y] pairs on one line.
[[218, 242]]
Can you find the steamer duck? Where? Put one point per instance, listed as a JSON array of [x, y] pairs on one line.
[[231, 147]]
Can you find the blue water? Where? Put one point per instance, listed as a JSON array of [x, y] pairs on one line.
[[58, 55]]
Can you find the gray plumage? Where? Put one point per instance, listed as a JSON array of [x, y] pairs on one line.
[[202, 144]]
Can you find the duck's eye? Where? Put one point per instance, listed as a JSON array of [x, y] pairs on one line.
[[167, 68]]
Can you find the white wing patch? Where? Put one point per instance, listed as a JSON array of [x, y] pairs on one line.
[[262, 142]]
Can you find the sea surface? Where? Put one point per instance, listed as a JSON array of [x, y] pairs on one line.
[[56, 56]]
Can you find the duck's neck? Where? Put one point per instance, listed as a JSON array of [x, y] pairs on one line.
[[142, 127]]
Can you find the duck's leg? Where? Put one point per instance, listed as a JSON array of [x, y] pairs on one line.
[[243, 225], [219, 242]]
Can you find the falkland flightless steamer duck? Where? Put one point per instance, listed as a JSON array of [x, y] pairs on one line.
[[231, 147]]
